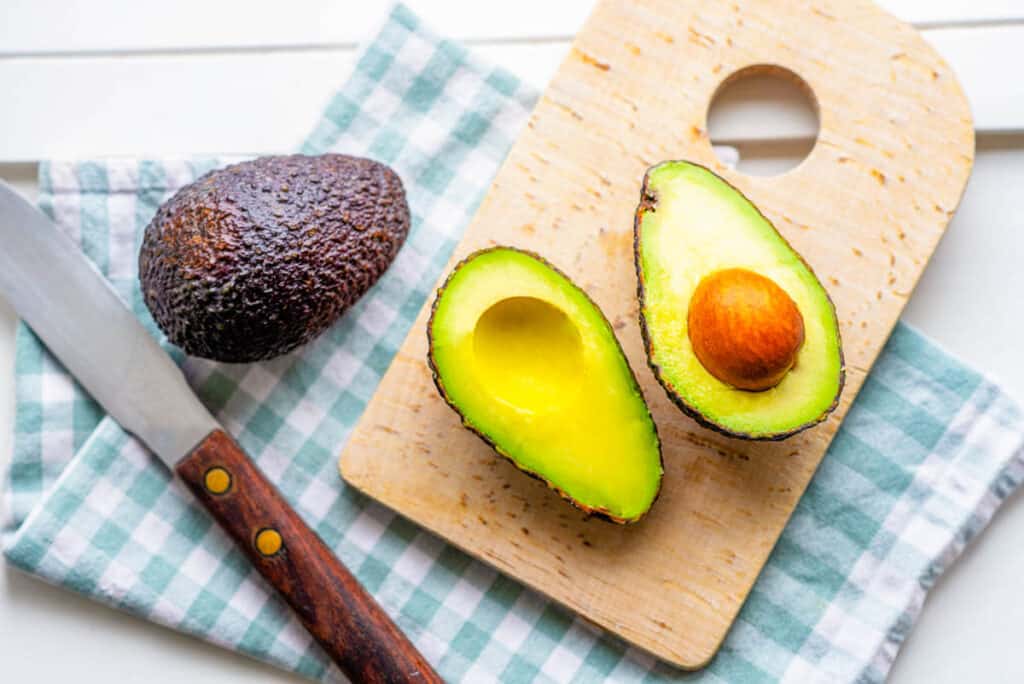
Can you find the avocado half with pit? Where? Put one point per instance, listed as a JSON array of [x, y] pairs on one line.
[[532, 366], [737, 328]]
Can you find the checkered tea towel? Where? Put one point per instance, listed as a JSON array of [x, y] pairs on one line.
[[924, 458]]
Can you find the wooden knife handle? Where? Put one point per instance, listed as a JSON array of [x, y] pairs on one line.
[[346, 621]]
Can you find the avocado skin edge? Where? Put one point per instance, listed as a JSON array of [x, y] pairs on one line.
[[596, 512], [648, 202]]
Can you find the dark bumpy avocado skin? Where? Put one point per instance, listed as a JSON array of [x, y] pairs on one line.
[[253, 260], [648, 203]]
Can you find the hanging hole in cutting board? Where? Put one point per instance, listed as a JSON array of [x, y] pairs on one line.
[[769, 114]]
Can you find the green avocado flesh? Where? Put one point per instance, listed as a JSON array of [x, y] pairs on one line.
[[691, 223], [532, 366]]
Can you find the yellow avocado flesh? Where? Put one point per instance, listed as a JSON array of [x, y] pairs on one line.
[[532, 365], [698, 224]]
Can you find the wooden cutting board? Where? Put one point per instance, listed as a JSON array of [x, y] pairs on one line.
[[866, 209]]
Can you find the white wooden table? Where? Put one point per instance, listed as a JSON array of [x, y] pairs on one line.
[[110, 77]]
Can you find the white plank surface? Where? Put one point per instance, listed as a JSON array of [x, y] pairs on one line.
[[252, 101], [76, 26], [187, 103], [82, 78], [121, 77]]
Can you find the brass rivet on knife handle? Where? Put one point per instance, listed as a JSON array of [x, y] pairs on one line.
[[268, 542], [217, 480], [345, 620]]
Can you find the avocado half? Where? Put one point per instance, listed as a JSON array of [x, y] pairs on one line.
[[532, 366], [737, 328]]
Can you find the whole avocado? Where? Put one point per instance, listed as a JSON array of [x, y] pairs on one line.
[[254, 259]]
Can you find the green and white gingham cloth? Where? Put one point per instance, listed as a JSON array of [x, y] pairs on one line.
[[923, 460]]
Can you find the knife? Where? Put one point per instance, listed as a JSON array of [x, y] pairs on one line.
[[74, 310]]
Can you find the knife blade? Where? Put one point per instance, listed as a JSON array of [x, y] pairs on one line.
[[75, 311], [67, 302]]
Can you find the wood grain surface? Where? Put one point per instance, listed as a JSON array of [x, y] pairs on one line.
[[866, 209], [346, 621]]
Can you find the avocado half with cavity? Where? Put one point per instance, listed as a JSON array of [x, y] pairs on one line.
[[252, 260], [737, 328], [532, 366]]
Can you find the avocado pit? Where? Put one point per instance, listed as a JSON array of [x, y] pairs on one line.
[[745, 329]]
